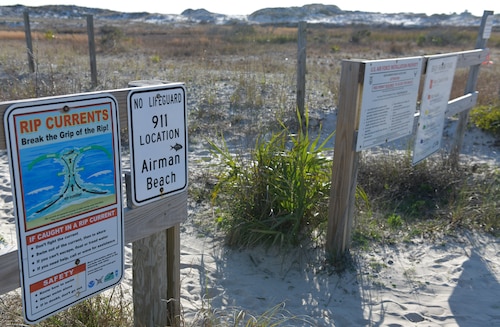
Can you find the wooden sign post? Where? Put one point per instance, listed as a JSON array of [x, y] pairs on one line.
[[482, 39], [345, 160], [156, 277]]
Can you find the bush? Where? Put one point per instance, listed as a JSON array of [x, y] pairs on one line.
[[487, 118], [111, 37], [277, 196], [359, 35]]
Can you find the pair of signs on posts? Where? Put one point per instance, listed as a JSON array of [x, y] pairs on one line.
[[389, 97], [390, 93], [66, 176]]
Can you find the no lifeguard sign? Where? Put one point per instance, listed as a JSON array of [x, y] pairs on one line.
[[158, 141]]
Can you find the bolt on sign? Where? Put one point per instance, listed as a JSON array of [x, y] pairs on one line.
[[64, 156], [158, 141]]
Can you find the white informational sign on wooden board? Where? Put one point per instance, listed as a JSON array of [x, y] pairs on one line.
[[488, 27], [435, 96], [389, 98]]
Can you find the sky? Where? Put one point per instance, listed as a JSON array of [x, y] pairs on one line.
[[232, 7]]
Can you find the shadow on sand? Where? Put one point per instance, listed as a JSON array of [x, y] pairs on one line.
[[294, 292], [476, 299]]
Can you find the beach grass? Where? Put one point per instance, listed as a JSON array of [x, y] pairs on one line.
[[244, 76]]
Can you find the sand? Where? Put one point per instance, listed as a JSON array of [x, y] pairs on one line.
[[453, 282]]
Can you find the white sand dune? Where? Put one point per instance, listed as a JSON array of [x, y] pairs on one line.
[[453, 283]]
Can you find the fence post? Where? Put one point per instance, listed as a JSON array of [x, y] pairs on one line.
[[150, 283], [469, 88], [156, 270], [301, 68], [174, 274], [93, 62], [345, 162], [29, 43]]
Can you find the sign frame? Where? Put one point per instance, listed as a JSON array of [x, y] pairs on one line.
[[152, 110], [65, 166]]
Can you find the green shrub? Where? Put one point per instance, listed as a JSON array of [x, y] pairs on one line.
[[421, 40], [277, 39], [445, 37], [359, 35], [49, 35], [155, 59], [394, 221], [280, 194], [111, 37], [487, 118], [335, 48]]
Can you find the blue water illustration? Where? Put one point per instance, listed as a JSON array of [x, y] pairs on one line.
[[61, 174]]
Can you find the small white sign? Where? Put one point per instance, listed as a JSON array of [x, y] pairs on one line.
[[158, 141], [389, 100], [488, 27], [435, 96], [64, 156]]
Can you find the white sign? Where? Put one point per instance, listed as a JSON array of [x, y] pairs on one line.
[[488, 27], [435, 96], [66, 178], [389, 99], [158, 141]]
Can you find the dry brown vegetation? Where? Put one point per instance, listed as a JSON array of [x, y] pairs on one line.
[[256, 64], [176, 52], [228, 70]]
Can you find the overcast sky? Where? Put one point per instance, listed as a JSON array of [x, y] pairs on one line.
[[232, 7]]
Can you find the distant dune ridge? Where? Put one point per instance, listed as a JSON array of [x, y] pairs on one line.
[[313, 13]]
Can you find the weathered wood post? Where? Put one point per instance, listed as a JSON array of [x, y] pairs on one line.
[[93, 62], [301, 68], [156, 273], [29, 43], [345, 161], [469, 88]]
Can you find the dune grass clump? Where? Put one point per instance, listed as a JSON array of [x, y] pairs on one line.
[[275, 316], [278, 195], [478, 203]]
